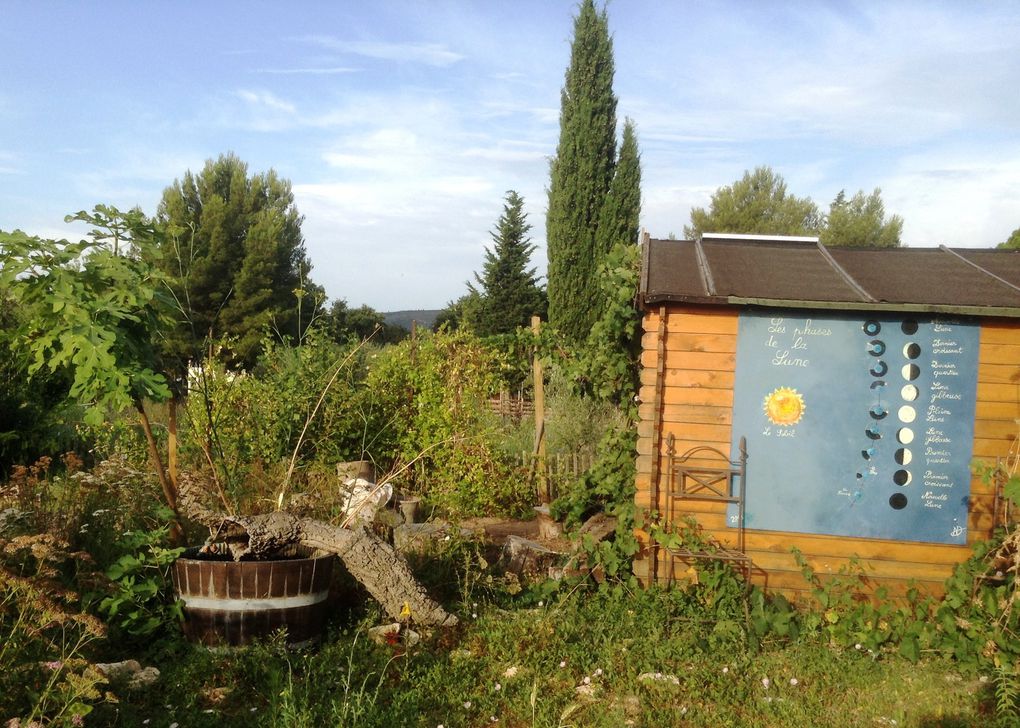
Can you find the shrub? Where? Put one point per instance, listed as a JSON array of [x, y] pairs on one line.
[[429, 410]]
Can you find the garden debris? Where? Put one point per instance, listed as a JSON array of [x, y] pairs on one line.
[[129, 672], [392, 634], [527, 558], [599, 527], [369, 559], [417, 537], [658, 677], [362, 498]]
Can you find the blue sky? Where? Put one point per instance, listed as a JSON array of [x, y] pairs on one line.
[[402, 124]]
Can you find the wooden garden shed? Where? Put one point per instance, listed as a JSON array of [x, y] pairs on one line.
[[827, 399]]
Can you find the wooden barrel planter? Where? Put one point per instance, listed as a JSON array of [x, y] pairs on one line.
[[231, 603]]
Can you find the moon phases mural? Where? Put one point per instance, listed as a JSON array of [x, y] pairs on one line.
[[832, 449]]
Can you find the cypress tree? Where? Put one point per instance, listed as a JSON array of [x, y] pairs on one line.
[[581, 174], [619, 221], [510, 294]]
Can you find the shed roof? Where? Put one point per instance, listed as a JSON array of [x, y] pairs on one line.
[[803, 273]]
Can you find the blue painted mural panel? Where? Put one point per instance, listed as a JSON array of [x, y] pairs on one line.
[[857, 425]]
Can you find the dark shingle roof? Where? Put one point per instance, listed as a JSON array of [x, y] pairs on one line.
[[803, 273]]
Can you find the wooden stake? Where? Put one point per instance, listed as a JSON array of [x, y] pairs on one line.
[[536, 367]]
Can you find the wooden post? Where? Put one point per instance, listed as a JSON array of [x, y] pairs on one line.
[[536, 368]]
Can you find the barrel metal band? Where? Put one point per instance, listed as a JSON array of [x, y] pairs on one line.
[[254, 605]]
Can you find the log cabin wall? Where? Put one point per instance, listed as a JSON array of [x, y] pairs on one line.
[[687, 385]]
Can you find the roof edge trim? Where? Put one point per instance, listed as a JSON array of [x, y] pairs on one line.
[[849, 279], [768, 238], [704, 268], [983, 311], [978, 267]]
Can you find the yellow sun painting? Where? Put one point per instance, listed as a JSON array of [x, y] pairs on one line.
[[784, 406]]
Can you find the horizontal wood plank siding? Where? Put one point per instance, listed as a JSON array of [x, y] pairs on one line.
[[697, 409]]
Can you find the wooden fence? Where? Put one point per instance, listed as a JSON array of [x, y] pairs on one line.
[[514, 407], [560, 469]]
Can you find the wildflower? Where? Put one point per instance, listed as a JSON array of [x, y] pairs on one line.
[[474, 615], [587, 681], [173, 725], [54, 665], [498, 687], [598, 672], [766, 682], [541, 603], [725, 670], [77, 720], [794, 681], [440, 726], [563, 663], [857, 646], [146, 721], [467, 704]]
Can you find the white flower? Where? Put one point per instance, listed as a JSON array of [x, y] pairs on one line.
[[766, 682], [794, 681], [467, 704], [498, 687], [440, 726], [563, 663], [587, 681], [725, 670], [474, 615], [598, 672], [857, 646], [541, 603]]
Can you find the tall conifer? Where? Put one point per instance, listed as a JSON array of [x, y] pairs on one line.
[[510, 293], [619, 221], [581, 174]]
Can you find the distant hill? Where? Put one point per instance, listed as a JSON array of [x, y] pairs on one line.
[[403, 319]]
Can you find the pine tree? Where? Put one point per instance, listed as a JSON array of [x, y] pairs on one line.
[[237, 258], [619, 221], [510, 294], [581, 174]]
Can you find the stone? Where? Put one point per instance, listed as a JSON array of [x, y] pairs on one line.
[[527, 558]]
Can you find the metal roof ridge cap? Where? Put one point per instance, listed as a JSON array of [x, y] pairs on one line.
[[861, 291], [704, 268], [971, 263]]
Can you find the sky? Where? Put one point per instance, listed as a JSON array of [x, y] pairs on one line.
[[401, 125]]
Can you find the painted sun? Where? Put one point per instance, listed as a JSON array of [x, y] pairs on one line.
[[784, 406]]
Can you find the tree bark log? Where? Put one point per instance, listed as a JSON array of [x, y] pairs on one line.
[[373, 562]]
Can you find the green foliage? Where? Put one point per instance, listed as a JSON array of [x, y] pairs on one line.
[[609, 361], [1013, 241], [619, 220], [459, 313], [860, 221], [756, 203], [429, 395], [236, 260], [344, 324], [510, 294], [581, 174], [93, 308], [249, 422], [35, 417], [139, 603]]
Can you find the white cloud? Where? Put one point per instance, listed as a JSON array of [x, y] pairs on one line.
[[266, 99], [429, 54], [964, 198]]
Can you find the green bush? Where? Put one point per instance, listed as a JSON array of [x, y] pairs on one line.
[[430, 417]]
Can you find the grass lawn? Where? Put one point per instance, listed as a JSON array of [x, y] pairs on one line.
[[583, 658]]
